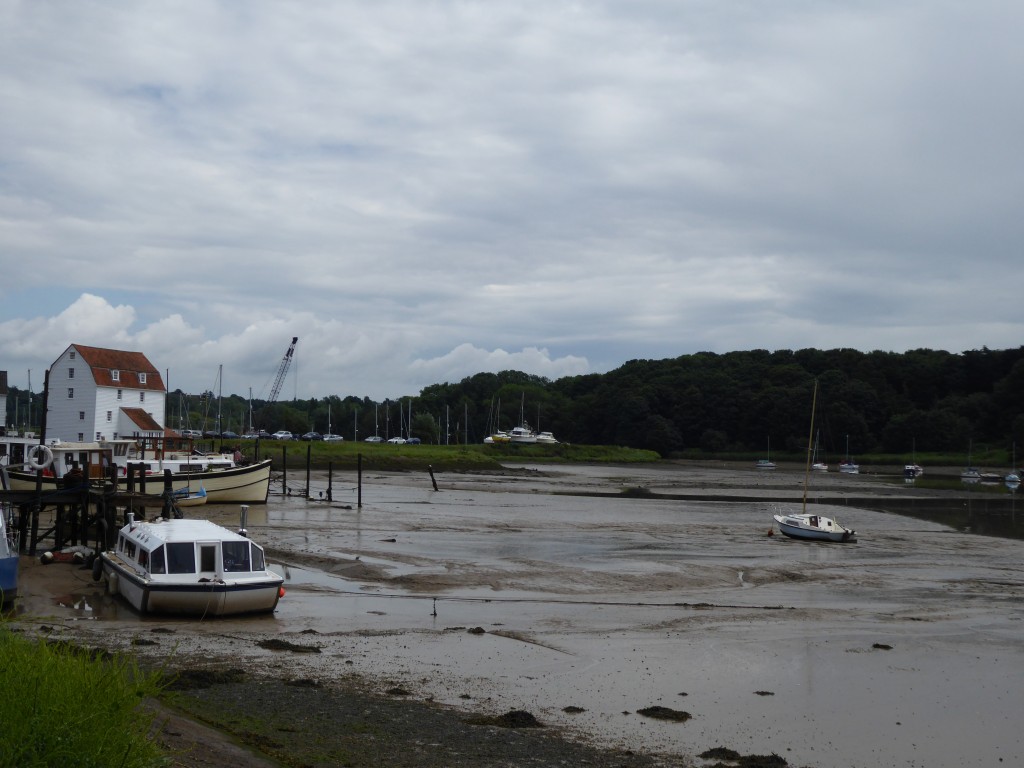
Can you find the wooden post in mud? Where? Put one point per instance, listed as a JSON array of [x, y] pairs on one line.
[[309, 458], [359, 480], [168, 495], [284, 470], [330, 481], [430, 469]]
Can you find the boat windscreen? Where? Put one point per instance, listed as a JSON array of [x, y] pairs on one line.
[[181, 557]]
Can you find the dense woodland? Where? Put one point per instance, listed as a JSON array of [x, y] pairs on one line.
[[880, 402]]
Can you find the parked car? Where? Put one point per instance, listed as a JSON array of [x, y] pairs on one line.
[[329, 438], [413, 441], [211, 433], [397, 441], [229, 435], [282, 434], [312, 436], [191, 433], [374, 439]]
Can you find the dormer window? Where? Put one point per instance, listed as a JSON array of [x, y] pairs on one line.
[[142, 378], [115, 375]]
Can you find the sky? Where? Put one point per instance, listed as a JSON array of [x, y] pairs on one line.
[[421, 191]]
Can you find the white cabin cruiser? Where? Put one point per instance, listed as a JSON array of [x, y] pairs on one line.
[[189, 567]]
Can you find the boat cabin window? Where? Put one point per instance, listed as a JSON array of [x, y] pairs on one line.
[[156, 561], [207, 557], [181, 557], [236, 556], [258, 564], [814, 520], [144, 558]]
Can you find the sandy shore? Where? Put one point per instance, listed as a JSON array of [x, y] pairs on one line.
[[546, 591]]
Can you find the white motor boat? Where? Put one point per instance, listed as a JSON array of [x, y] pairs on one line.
[[813, 528], [546, 438], [189, 567], [522, 434]]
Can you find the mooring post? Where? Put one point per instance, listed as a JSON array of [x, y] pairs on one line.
[[359, 480], [430, 469], [309, 458], [330, 481], [168, 495], [284, 470]]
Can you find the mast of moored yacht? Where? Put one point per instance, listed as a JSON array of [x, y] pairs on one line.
[[810, 436]]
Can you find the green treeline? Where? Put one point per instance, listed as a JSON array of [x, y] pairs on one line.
[[738, 402]]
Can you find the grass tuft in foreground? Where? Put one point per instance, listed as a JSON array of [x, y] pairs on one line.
[[62, 706]]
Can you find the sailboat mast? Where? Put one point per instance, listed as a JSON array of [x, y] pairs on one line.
[[810, 437]]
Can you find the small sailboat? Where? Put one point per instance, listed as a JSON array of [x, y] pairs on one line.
[[808, 526], [767, 463], [849, 466], [816, 464], [1013, 478]]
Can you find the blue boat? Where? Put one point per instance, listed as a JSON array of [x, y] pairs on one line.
[[8, 559]]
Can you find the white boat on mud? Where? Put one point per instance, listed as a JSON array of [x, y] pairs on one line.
[[809, 525], [223, 480], [813, 528], [546, 438], [188, 567]]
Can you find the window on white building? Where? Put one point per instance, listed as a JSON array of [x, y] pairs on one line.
[[142, 378], [119, 393], [72, 355], [110, 415], [71, 373], [81, 437], [71, 393], [142, 397], [81, 415]]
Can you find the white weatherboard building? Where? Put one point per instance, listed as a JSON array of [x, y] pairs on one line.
[[104, 394]]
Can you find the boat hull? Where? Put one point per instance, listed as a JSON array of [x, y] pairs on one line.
[[191, 598], [245, 485], [813, 528], [8, 580]]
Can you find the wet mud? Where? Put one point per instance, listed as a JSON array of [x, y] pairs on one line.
[[550, 592]]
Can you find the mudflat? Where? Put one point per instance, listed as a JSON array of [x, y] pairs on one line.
[[640, 615]]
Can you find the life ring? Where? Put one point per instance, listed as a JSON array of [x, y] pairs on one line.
[[39, 456]]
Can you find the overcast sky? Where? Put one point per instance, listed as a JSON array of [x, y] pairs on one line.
[[421, 191]]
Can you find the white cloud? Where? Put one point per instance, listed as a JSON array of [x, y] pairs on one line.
[[413, 188]]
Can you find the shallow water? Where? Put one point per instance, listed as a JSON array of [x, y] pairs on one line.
[[902, 649]]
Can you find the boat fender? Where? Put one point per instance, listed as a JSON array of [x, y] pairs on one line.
[[39, 456], [280, 592], [112, 583], [97, 568]]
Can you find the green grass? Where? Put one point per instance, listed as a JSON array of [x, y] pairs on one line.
[[62, 706]]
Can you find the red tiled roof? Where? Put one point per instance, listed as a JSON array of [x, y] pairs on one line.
[[129, 365], [142, 420]]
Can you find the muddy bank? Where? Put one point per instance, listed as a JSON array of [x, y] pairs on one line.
[[546, 591]]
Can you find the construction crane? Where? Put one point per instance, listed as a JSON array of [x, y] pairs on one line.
[[282, 371]]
